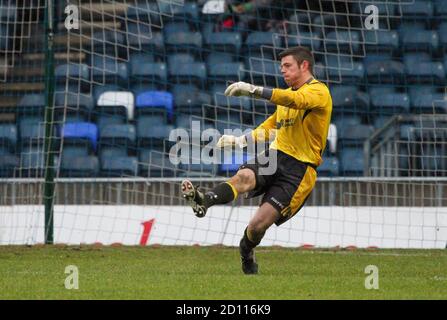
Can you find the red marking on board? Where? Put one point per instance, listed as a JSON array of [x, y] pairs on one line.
[[146, 231]]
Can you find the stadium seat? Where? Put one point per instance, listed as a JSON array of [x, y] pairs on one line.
[[185, 10], [98, 90], [420, 40], [144, 10], [380, 121], [176, 59], [224, 41], [123, 135], [81, 166], [329, 168], [76, 74], [346, 120], [184, 42], [73, 103], [349, 99], [9, 163], [348, 73], [32, 103], [223, 102], [412, 58], [433, 159], [426, 73], [323, 24], [380, 90], [119, 166], [442, 32], [430, 129], [109, 70], [77, 133], [141, 37], [192, 73], [441, 8], [32, 133], [148, 72], [32, 162], [263, 72], [381, 41], [226, 71], [155, 102], [153, 163], [418, 8], [149, 133], [8, 137], [389, 72], [352, 162], [429, 103], [174, 27], [4, 38], [306, 39], [259, 41], [353, 135], [298, 23], [390, 103], [190, 99], [343, 42], [219, 57], [109, 43], [377, 57], [117, 102]]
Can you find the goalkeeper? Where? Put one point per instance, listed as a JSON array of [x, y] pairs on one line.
[[300, 122]]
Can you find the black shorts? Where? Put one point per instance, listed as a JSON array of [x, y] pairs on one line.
[[288, 188]]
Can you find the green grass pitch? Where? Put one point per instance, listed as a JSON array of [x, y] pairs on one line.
[[38, 272]]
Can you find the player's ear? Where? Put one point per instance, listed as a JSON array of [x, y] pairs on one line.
[[304, 65]]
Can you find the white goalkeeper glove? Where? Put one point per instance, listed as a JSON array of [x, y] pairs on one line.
[[243, 89], [227, 140]]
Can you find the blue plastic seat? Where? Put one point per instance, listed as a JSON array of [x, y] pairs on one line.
[[190, 99], [32, 133], [349, 99], [225, 71], [418, 8], [76, 73], [148, 72], [80, 132], [141, 37], [344, 120], [108, 70], [153, 163], [441, 8], [343, 41], [144, 10], [298, 23], [442, 32], [420, 40], [118, 134], [119, 166], [219, 57], [351, 72], [67, 104], [433, 159], [8, 137], [80, 166], [183, 10], [305, 39], [259, 41], [32, 162], [184, 41], [391, 103], [426, 72], [149, 133], [412, 58], [176, 59], [353, 135], [109, 42], [385, 72], [381, 41], [9, 163], [32, 102], [174, 27], [263, 72], [192, 73], [154, 102], [329, 168], [429, 103], [224, 41], [352, 162]]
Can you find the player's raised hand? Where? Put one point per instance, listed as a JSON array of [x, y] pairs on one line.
[[240, 88], [228, 140]]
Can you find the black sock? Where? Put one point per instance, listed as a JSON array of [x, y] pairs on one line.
[[246, 244], [221, 194]]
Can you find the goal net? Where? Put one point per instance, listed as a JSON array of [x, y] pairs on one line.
[[105, 106]]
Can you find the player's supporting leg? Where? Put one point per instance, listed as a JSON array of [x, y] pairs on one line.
[[225, 192], [265, 216]]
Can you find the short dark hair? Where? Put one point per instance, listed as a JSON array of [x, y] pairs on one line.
[[300, 54]]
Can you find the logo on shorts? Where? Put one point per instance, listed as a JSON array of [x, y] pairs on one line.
[[279, 204]]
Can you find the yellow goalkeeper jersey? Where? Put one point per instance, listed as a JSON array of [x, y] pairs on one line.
[[301, 121]]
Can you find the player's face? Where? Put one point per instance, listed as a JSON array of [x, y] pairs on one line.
[[291, 71]]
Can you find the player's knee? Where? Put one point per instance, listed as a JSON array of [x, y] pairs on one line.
[[257, 228], [246, 177]]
